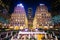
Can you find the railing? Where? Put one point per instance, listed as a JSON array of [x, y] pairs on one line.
[[33, 35], [7, 34], [27, 35]]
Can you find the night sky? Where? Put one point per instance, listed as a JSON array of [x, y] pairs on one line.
[[31, 3], [53, 5]]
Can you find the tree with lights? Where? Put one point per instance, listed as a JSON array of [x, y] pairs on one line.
[[56, 19]]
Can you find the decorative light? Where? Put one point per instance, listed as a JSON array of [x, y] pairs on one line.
[[26, 29], [45, 27], [21, 27], [42, 4], [51, 26], [36, 29], [20, 5]]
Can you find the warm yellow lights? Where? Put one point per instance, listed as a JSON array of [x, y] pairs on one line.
[[37, 25], [51, 26], [7, 29], [16, 20], [40, 36], [19, 19], [16, 28], [11, 27], [21, 27], [46, 27], [40, 26]]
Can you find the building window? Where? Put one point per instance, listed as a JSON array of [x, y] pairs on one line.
[[46, 22], [40, 17], [41, 9], [18, 20]]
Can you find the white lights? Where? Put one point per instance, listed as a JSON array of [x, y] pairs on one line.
[[26, 29], [20, 5], [42, 4], [51, 26], [36, 29], [32, 32]]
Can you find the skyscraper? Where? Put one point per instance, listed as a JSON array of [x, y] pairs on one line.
[[30, 18], [18, 17], [42, 17]]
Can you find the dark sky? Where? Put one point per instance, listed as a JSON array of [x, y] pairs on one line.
[[31, 3], [53, 5]]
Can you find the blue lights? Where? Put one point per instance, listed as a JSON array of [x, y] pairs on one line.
[[20, 5]]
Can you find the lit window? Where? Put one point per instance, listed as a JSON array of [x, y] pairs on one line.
[[40, 17], [41, 9], [22, 17], [37, 25], [24, 24], [16, 20], [21, 27], [46, 22], [40, 14]]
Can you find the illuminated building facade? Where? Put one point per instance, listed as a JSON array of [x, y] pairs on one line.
[[42, 17], [18, 17], [30, 18]]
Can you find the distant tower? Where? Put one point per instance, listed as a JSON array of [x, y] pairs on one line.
[[30, 18], [18, 17], [42, 17]]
